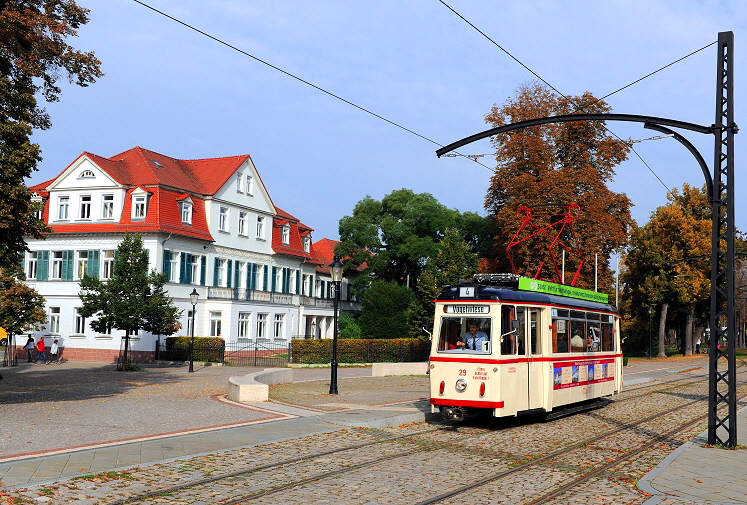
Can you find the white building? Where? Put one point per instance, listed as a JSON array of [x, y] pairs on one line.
[[208, 224]]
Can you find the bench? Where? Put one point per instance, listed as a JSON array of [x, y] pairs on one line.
[[255, 387]]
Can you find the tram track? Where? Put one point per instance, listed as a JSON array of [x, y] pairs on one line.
[[423, 445], [589, 473]]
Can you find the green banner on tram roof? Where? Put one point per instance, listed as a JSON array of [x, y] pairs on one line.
[[550, 288]]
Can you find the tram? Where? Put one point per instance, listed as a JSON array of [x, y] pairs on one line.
[[505, 345]]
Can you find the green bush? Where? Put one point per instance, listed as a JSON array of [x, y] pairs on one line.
[[207, 349], [360, 350]]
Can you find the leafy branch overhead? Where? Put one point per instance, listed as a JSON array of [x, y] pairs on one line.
[[33, 55]]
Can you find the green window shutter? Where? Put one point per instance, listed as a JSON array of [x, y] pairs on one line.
[[298, 282], [216, 266], [42, 266], [93, 263], [166, 263], [191, 260], [203, 270], [183, 268], [249, 273], [274, 278], [236, 275], [67, 265], [264, 281], [230, 273]]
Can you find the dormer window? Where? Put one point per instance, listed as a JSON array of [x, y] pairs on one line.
[[139, 204], [186, 212], [307, 244], [138, 207], [285, 233], [87, 174]]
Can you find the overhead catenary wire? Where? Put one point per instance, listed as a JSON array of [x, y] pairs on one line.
[[579, 107], [304, 81]]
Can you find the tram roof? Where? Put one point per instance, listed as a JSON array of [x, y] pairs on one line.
[[483, 292]]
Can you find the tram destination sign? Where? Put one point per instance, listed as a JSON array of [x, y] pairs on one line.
[[550, 288], [467, 309]]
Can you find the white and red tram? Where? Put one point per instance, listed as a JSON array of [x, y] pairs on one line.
[[542, 352]]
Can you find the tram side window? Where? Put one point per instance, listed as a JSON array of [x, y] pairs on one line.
[[534, 329], [608, 341], [594, 332], [508, 336], [560, 334], [457, 334], [578, 333]]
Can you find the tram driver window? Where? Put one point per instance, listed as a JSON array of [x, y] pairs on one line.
[[465, 334]]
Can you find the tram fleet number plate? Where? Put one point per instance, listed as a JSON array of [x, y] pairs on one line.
[[467, 309]]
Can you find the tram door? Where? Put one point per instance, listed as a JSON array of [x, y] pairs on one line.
[[529, 349]]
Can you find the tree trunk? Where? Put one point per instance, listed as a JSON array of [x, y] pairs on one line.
[[689, 333], [662, 330]]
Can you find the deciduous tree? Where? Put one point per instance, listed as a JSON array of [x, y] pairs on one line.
[[668, 264], [21, 307], [395, 237], [33, 55], [556, 164], [132, 299], [454, 260]]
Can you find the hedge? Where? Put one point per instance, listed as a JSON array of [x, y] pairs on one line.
[[360, 350], [207, 349]]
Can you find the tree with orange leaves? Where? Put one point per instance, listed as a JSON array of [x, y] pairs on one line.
[[556, 164], [668, 264]]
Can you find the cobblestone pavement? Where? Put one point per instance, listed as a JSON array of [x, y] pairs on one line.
[[440, 462]]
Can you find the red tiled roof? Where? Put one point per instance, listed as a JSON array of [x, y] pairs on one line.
[[163, 215], [167, 179], [295, 242], [325, 253]]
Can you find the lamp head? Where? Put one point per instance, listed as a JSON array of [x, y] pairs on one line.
[[335, 269], [193, 296]]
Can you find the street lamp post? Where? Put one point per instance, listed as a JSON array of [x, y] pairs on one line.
[[336, 271], [193, 296]]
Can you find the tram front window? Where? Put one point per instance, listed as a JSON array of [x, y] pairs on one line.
[[464, 334]]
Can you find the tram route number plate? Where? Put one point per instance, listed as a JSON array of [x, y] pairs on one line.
[[467, 309]]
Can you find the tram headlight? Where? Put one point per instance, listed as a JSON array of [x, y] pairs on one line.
[[461, 385]]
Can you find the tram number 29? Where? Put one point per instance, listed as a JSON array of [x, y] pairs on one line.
[[462, 372]]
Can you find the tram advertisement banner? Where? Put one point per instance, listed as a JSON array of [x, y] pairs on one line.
[[551, 288], [568, 374]]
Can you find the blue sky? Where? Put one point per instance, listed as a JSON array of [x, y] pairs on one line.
[[174, 91]]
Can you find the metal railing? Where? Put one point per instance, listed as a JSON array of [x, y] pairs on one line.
[[243, 294], [259, 353]]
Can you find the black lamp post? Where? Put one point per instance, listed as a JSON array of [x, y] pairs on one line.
[[193, 296], [336, 271]]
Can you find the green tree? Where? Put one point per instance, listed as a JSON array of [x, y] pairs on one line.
[[21, 307], [395, 237], [33, 56], [384, 310], [554, 165], [454, 260], [348, 327], [132, 299]]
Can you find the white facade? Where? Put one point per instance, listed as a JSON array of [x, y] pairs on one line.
[[217, 240]]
